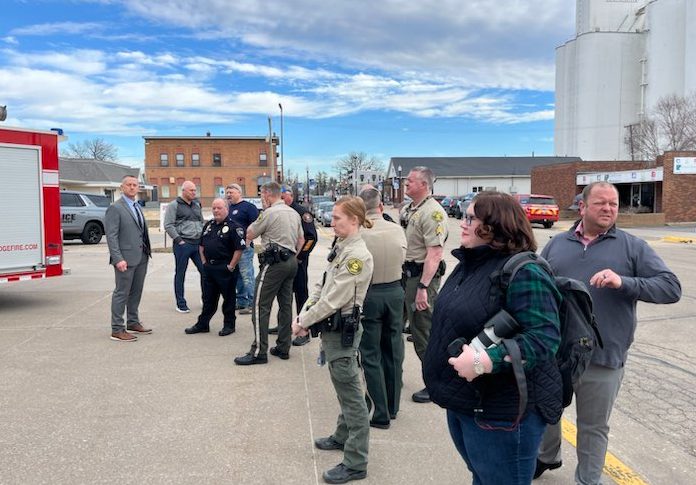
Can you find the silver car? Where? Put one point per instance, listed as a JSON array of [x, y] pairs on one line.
[[82, 216]]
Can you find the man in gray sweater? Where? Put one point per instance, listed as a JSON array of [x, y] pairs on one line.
[[183, 221], [619, 269]]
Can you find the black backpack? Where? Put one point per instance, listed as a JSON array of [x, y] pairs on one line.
[[579, 332]]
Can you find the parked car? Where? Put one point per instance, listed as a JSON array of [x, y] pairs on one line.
[[82, 216], [541, 209], [440, 198], [315, 201], [321, 207], [326, 215], [462, 204]]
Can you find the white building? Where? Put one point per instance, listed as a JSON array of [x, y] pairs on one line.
[[626, 55]]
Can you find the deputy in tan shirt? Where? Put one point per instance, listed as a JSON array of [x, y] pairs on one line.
[[280, 229], [426, 233], [382, 345]]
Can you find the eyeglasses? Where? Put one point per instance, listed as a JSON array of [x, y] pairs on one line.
[[469, 219]]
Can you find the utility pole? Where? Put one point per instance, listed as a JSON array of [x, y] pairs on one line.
[[282, 144], [271, 151]]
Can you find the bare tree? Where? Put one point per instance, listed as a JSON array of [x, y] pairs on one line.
[[670, 126], [356, 162], [96, 149]]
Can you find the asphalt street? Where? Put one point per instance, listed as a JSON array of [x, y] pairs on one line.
[[78, 408]]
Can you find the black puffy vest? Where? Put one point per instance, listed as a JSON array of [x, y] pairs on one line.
[[469, 297]]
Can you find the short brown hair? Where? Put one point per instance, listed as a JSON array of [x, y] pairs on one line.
[[504, 222], [355, 206]]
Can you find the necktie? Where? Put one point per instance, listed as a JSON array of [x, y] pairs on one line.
[[138, 216]]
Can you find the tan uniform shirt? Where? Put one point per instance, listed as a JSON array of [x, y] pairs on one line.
[[427, 227], [278, 224], [347, 280], [387, 244]]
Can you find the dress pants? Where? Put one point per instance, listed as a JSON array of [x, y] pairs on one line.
[[595, 394], [127, 294]]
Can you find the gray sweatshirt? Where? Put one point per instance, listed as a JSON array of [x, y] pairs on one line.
[[184, 222]]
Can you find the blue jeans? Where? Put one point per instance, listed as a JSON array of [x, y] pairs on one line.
[[245, 282], [182, 254], [497, 457]]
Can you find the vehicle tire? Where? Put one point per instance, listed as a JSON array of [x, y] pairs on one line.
[[458, 213], [547, 225], [92, 233]]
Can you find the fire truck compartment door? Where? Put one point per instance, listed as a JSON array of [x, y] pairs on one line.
[[21, 209]]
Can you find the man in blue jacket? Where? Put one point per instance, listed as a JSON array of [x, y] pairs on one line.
[[619, 269]]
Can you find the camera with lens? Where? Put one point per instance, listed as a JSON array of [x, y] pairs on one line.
[[500, 326]]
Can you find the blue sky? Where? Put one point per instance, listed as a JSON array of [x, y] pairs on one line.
[[388, 78]]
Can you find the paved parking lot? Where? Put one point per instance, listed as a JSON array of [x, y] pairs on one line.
[[78, 408]]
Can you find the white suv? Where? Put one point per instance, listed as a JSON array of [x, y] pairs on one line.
[[82, 216]]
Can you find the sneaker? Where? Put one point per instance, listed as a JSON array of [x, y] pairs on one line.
[[245, 310], [342, 474], [300, 341], [138, 328], [123, 336], [183, 309]]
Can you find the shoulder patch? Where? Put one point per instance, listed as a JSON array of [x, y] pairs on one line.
[[436, 216], [354, 266], [438, 230], [240, 232], [258, 219], [307, 217]]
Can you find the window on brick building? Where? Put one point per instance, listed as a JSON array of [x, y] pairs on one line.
[[263, 160], [164, 159], [195, 160], [179, 159], [217, 160], [218, 188], [197, 182]]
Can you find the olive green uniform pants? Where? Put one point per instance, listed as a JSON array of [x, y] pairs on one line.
[[353, 425], [420, 321]]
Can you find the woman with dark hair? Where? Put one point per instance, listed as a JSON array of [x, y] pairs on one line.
[[497, 440], [332, 309]]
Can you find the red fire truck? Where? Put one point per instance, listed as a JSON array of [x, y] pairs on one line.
[[30, 241]]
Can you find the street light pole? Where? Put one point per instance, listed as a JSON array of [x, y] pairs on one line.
[[282, 144]]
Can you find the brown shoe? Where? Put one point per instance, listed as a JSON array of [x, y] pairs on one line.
[[138, 328], [123, 336]]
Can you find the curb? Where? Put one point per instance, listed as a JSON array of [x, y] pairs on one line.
[[678, 239]]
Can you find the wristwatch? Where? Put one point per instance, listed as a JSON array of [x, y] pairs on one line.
[[421, 286], [478, 366]]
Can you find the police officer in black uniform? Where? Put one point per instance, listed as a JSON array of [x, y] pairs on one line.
[[221, 247], [299, 286]]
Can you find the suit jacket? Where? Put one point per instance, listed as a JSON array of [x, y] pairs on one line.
[[126, 240]]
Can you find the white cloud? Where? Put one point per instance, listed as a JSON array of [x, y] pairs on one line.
[[79, 61], [73, 28], [504, 43], [10, 40]]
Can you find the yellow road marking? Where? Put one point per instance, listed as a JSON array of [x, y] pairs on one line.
[[613, 467], [679, 239], [328, 235]]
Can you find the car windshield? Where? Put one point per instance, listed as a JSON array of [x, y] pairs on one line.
[[541, 201]]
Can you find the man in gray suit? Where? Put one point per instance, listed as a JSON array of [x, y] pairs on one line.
[[129, 250]]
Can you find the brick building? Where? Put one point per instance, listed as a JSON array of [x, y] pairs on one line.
[[666, 188], [211, 162]]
